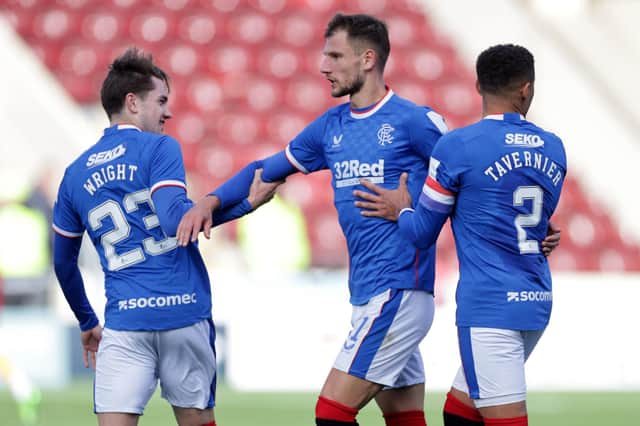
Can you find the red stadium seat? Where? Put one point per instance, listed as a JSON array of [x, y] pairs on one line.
[[403, 31], [152, 27], [412, 90], [180, 60], [199, 27], [190, 127], [55, 24], [174, 5], [229, 58], [279, 61], [103, 27], [250, 28], [262, 94], [81, 60], [297, 30], [307, 94], [221, 6], [270, 7], [237, 128], [205, 94], [284, 125]]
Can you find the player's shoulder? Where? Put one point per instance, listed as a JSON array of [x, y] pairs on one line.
[[549, 137], [337, 111], [422, 115]]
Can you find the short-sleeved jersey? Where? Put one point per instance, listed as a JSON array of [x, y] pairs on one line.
[[502, 179], [150, 282], [378, 143]]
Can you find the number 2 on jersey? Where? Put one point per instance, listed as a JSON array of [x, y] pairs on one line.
[[122, 229], [522, 221]]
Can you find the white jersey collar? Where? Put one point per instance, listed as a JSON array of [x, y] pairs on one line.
[[369, 111], [127, 126], [499, 117]]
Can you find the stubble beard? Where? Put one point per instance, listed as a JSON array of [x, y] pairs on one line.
[[351, 89]]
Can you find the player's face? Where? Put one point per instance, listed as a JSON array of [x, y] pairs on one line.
[[342, 65], [154, 108]]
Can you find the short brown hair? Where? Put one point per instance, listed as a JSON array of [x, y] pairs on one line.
[[129, 73]]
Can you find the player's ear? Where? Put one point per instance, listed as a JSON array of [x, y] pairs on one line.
[[369, 59], [131, 102], [526, 91], [478, 87]]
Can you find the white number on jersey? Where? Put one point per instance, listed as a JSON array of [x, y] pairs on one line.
[[535, 194], [122, 229]]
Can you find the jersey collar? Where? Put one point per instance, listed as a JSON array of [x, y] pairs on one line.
[[127, 126], [371, 109], [509, 116], [118, 127]]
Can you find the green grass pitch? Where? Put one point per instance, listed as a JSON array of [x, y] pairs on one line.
[[72, 406]]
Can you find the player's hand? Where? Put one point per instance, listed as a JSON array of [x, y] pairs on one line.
[[261, 192], [552, 241], [384, 203], [198, 218], [90, 341]]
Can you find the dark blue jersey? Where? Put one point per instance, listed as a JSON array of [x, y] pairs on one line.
[[378, 144], [150, 282], [501, 180]]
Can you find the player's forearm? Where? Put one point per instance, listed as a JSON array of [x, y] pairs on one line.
[[236, 189], [65, 263], [232, 212], [421, 226], [274, 169]]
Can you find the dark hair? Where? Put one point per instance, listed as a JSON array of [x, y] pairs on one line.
[[503, 67], [364, 29], [131, 72]]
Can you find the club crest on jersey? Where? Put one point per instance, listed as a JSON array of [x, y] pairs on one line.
[[384, 134], [102, 157]]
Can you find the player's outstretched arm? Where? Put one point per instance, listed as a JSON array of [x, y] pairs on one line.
[[384, 203], [552, 241]]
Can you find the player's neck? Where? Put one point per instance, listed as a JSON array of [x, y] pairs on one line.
[[370, 93], [122, 119], [500, 106]]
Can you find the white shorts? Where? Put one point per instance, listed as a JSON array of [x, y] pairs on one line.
[[130, 363], [382, 346], [492, 371]]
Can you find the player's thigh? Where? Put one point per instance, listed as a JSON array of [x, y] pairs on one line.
[[193, 416], [125, 371], [492, 371], [187, 365], [384, 337]]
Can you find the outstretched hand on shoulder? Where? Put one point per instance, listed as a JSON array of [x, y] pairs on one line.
[[381, 202]]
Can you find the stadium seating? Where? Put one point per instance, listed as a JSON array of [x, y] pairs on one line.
[[245, 80]]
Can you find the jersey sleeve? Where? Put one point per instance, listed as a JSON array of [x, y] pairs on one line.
[[66, 220], [305, 152], [166, 165], [443, 181], [426, 127]]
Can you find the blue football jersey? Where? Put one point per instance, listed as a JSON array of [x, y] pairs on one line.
[[377, 143], [501, 179], [150, 282]]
